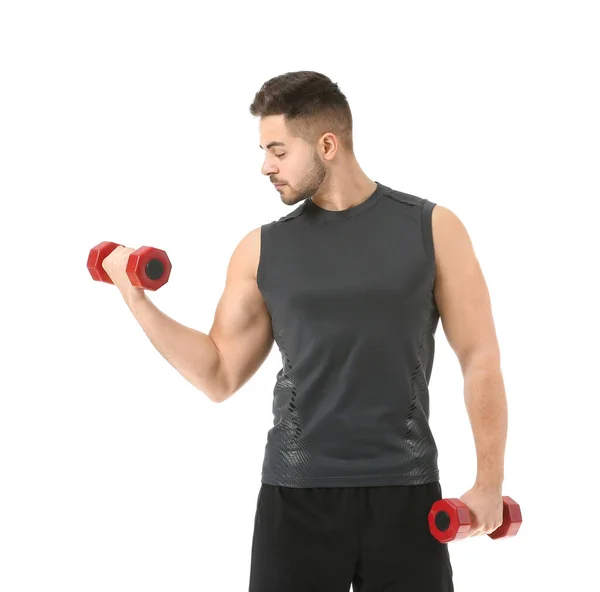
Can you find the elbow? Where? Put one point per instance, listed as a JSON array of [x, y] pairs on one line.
[[219, 395], [215, 392], [221, 388], [481, 360], [216, 396], [216, 386]]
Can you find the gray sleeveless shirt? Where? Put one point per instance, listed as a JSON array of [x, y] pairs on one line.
[[350, 294]]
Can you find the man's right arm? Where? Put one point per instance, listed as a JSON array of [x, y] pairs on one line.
[[221, 362], [241, 328]]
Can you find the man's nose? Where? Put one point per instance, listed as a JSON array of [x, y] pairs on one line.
[[268, 168]]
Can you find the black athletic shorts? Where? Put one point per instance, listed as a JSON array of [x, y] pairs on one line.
[[325, 539]]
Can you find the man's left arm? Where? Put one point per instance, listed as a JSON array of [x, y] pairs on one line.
[[464, 304]]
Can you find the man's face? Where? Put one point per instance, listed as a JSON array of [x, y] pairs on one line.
[[289, 161]]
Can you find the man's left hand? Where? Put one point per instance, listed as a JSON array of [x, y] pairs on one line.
[[486, 508]]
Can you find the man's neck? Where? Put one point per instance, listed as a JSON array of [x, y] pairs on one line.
[[344, 192]]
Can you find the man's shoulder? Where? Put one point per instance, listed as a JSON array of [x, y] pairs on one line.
[[405, 198]]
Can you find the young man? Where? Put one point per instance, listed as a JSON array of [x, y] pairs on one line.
[[350, 285]]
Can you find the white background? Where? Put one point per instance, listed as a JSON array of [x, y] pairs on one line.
[[128, 121]]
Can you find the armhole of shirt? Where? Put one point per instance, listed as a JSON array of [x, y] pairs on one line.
[[427, 230], [260, 272]]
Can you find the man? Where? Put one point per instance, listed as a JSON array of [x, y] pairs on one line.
[[351, 285]]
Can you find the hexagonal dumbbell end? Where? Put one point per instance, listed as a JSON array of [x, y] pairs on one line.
[[449, 520], [97, 255], [148, 268], [511, 519]]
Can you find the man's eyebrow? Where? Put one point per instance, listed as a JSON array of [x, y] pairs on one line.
[[271, 144]]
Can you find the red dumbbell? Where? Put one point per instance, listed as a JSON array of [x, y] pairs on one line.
[[147, 267], [450, 520]]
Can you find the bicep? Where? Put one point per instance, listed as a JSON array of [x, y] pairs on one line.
[[241, 327], [461, 292]]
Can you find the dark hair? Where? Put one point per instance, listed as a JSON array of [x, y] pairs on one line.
[[311, 105]]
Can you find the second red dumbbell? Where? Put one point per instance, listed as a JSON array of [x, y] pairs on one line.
[[147, 267], [450, 520]]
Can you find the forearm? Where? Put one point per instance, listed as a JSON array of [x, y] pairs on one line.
[[192, 353], [485, 400]]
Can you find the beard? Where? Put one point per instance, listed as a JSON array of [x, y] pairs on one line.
[[309, 184]]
